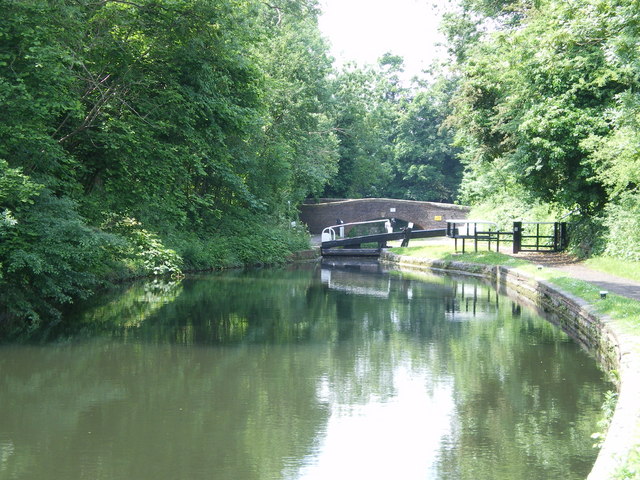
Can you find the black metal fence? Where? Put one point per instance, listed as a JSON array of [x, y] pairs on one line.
[[525, 236], [539, 236]]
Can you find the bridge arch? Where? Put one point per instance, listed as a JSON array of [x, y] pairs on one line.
[[427, 215]]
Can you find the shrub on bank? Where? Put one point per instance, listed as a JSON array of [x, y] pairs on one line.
[[50, 257], [615, 232], [239, 244], [623, 222]]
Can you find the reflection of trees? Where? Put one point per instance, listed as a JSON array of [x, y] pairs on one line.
[[116, 411], [524, 408], [235, 376], [117, 310], [518, 397]]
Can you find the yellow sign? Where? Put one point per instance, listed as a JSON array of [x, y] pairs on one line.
[[438, 218]]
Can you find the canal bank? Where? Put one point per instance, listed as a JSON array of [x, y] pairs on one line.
[[614, 347]]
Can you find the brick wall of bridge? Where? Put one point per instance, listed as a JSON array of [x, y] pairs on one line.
[[423, 214]]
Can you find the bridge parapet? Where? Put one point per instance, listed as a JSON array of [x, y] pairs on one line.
[[424, 215]]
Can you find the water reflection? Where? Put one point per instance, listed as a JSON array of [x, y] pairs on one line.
[[331, 371], [397, 437], [473, 302]]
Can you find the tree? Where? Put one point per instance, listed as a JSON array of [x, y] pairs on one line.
[[178, 120], [529, 97], [297, 144], [367, 103], [427, 167]]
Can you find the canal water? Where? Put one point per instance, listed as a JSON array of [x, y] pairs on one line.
[[313, 372]]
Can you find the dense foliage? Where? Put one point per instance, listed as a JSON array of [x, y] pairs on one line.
[[152, 136], [393, 141], [546, 113], [149, 136]]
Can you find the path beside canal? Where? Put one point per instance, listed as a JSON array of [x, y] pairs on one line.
[[575, 268]]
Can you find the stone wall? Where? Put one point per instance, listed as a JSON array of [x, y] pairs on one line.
[[425, 215]]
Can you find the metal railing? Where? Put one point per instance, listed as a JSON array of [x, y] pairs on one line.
[[525, 236], [329, 233], [476, 230], [548, 236]]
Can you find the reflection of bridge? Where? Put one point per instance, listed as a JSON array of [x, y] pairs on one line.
[[424, 215], [464, 300], [354, 283]]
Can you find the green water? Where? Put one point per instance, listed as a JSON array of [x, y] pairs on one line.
[[304, 373]]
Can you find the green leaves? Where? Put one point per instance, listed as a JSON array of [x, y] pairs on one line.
[[49, 258], [530, 98], [427, 165], [15, 187], [547, 114], [144, 249], [296, 151], [182, 115], [366, 105], [208, 96]]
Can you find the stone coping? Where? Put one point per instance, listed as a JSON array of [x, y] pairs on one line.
[[604, 338]]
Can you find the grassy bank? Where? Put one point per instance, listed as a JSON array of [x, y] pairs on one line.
[[615, 266]]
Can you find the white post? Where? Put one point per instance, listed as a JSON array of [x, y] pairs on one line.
[[328, 234]]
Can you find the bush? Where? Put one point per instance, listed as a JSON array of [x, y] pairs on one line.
[[48, 257], [504, 208], [207, 253], [622, 218], [239, 242], [142, 250], [587, 236]]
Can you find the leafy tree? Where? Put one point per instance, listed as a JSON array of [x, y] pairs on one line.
[[35, 83], [367, 103], [614, 153], [529, 97], [427, 167], [184, 98], [49, 257], [176, 120], [546, 112], [297, 144]]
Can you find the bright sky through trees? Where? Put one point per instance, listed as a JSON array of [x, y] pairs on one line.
[[363, 30]]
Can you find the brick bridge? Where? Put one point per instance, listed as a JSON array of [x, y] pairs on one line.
[[424, 215]]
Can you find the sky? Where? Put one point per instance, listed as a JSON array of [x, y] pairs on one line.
[[363, 30]]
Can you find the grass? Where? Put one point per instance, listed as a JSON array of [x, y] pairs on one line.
[[624, 311], [631, 469], [444, 252], [615, 266]]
